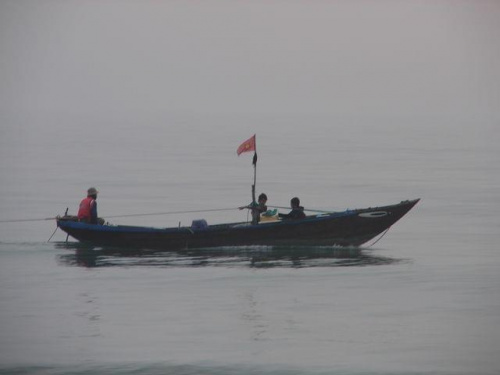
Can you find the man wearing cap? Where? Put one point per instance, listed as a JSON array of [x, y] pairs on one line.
[[88, 207]]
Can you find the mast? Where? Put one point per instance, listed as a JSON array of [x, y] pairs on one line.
[[251, 145], [254, 162]]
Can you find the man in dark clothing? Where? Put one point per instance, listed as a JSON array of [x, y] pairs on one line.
[[297, 211]]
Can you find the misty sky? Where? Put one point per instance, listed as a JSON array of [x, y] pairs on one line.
[[378, 58]]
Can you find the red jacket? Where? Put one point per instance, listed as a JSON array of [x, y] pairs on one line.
[[88, 210]]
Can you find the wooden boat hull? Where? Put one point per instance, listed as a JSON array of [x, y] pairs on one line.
[[348, 228]]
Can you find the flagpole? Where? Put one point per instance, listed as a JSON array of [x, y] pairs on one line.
[[251, 145], [254, 171]]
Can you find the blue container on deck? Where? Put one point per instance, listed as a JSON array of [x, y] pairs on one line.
[[199, 224]]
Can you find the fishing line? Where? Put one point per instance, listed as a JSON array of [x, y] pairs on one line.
[[152, 214], [25, 220], [129, 215], [174, 212]]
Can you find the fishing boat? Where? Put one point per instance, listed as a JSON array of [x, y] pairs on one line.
[[345, 228]]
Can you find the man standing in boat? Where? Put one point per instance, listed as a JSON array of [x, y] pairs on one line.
[[297, 211], [257, 208], [88, 207]]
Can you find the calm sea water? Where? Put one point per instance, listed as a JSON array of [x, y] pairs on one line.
[[425, 299]]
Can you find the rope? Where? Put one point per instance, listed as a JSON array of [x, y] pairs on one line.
[[53, 234], [383, 234]]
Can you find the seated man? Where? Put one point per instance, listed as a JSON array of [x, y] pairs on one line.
[[297, 211], [88, 208]]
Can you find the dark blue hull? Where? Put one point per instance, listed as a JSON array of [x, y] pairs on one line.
[[349, 228]]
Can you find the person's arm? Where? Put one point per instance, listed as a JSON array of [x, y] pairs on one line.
[[93, 212], [250, 206]]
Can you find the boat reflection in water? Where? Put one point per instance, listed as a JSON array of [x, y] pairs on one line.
[[251, 257]]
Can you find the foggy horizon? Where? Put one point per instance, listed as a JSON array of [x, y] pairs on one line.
[[360, 58]]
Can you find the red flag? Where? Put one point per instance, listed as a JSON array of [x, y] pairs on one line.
[[248, 145]]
